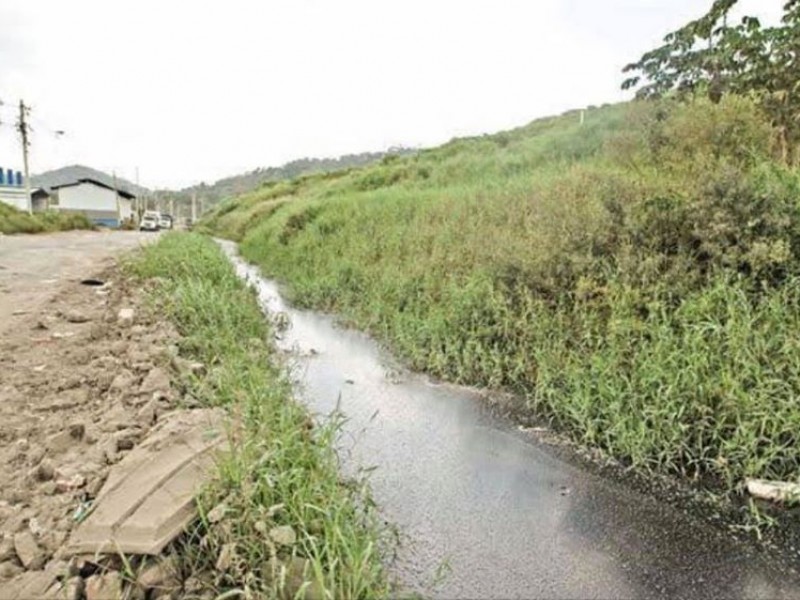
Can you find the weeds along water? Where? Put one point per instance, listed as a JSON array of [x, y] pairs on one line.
[[634, 278], [282, 470]]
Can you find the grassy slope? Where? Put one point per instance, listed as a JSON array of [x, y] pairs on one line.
[[276, 460], [15, 221], [633, 279]]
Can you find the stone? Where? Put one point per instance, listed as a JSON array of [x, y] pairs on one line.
[[283, 535], [60, 442], [104, 587], [127, 438], [226, 557], [157, 380], [53, 540], [74, 588], [68, 480], [777, 491], [28, 551], [162, 575], [76, 316], [94, 486], [77, 431], [187, 368], [45, 470], [217, 513], [110, 453], [125, 316], [9, 569], [123, 382], [148, 414], [7, 551]]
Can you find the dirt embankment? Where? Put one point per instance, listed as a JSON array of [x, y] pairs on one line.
[[83, 381]]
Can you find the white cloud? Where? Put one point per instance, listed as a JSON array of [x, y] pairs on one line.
[[197, 91]]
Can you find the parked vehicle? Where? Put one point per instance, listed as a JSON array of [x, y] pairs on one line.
[[165, 221], [149, 222]]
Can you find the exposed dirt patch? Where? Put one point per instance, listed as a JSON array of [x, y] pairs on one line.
[[84, 380]]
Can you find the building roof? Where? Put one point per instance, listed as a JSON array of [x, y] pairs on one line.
[[74, 173], [121, 192]]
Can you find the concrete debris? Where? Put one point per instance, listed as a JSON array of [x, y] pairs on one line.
[[28, 551], [776, 491], [148, 497], [104, 587], [125, 316]]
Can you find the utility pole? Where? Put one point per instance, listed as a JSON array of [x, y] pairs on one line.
[[138, 201], [116, 198], [23, 128], [194, 206]]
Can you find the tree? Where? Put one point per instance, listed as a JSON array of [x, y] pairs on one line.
[[712, 57]]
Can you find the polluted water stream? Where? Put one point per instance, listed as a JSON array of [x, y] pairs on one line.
[[484, 513]]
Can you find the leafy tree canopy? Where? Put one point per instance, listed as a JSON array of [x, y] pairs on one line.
[[712, 56]]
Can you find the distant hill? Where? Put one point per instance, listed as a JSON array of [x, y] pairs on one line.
[[179, 201], [73, 173], [239, 184]]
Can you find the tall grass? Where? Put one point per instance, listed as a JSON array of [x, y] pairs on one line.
[[635, 279], [15, 221], [281, 469]]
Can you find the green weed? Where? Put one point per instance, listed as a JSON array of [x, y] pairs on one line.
[[282, 469]]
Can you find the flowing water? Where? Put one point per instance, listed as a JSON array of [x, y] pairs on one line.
[[496, 514]]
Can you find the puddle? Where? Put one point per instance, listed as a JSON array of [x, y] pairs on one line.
[[500, 517]]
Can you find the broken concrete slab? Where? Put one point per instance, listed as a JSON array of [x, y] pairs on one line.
[[148, 498]]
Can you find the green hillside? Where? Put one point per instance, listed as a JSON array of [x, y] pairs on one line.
[[634, 279]]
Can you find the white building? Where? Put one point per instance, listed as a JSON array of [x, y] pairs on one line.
[[101, 203]]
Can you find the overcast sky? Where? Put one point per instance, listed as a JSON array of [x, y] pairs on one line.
[[191, 91]]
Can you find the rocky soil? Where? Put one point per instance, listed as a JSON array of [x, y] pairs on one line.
[[83, 381]]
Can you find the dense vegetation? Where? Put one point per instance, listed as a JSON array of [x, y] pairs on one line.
[[16, 221], [281, 471], [635, 279]]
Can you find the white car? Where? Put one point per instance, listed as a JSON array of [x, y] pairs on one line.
[[164, 221], [149, 222]]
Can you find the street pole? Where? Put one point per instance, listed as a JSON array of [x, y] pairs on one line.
[[194, 207], [116, 197], [138, 200], [22, 126]]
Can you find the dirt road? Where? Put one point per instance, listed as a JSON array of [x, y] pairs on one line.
[[84, 377], [32, 267]]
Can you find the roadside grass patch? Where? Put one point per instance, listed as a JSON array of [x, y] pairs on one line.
[[282, 469], [16, 221]]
